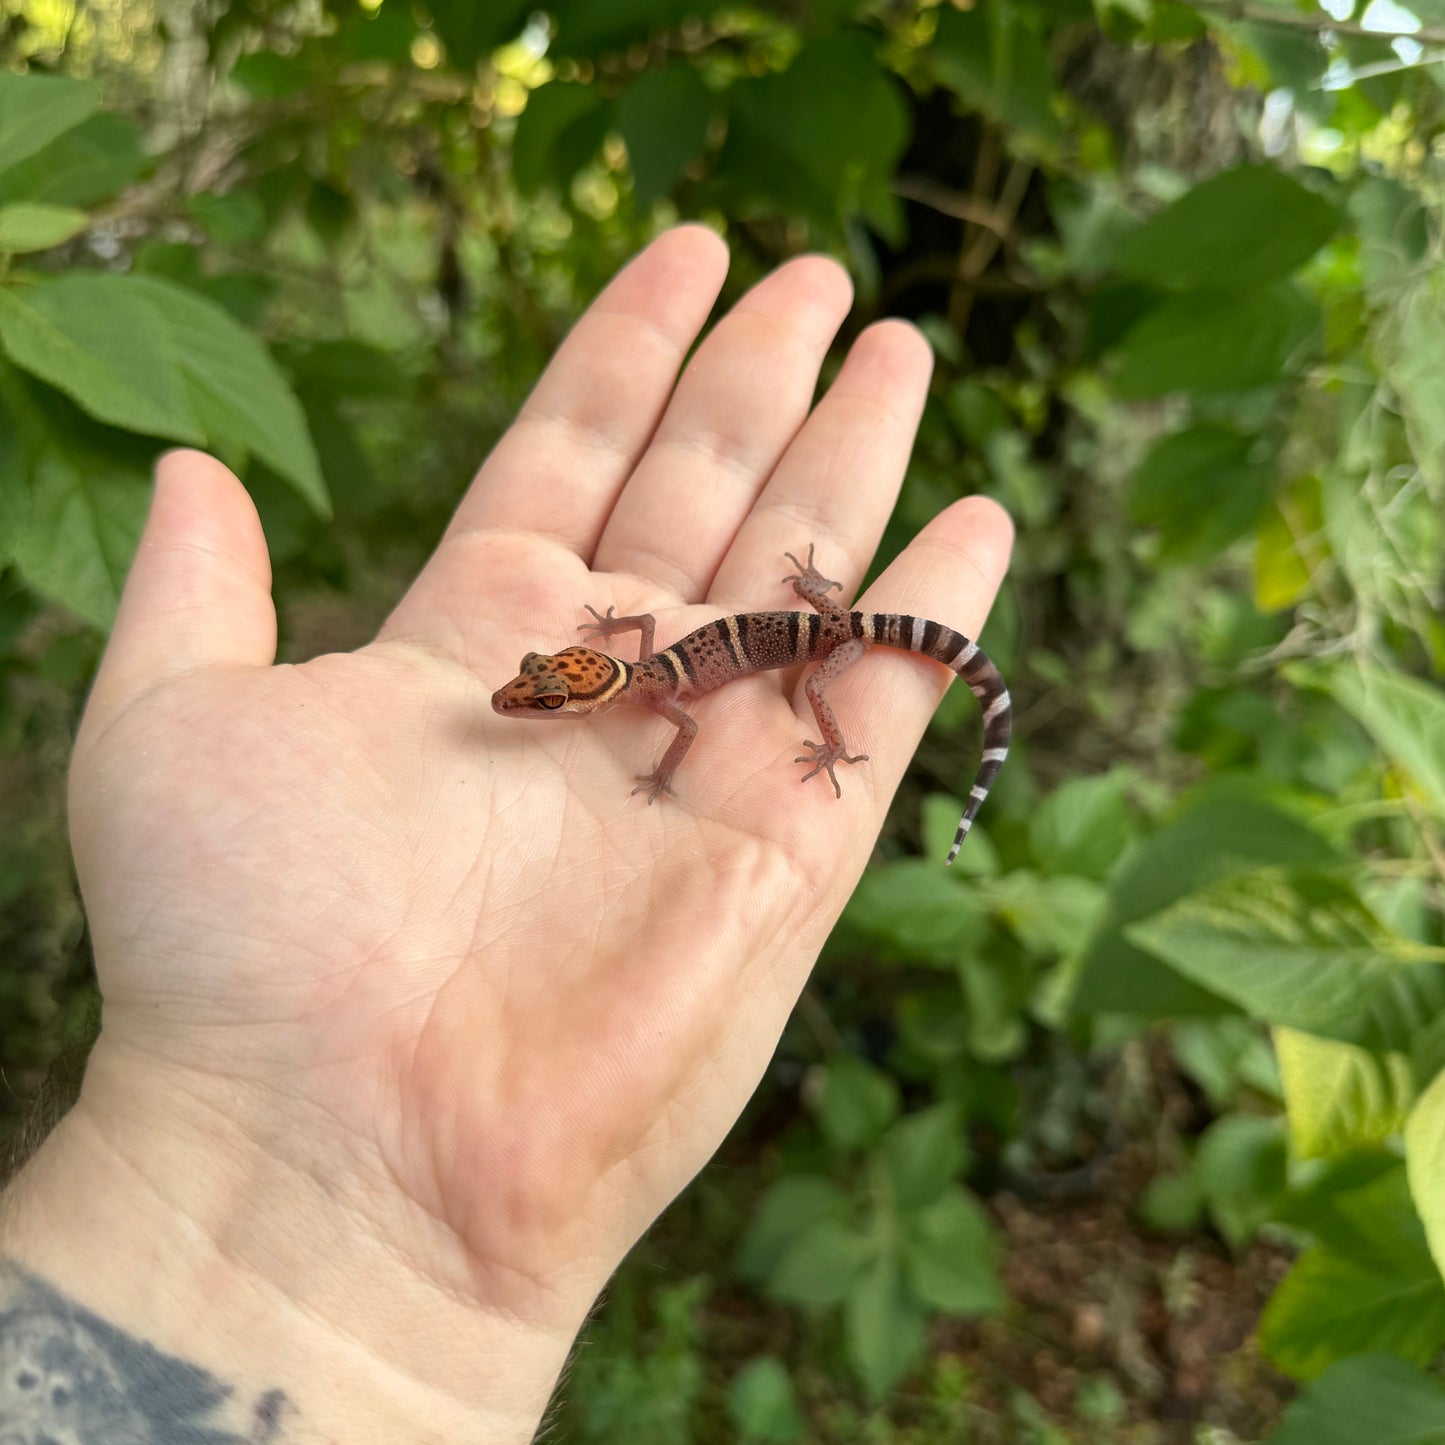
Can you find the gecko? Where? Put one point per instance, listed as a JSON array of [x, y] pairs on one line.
[[578, 680]]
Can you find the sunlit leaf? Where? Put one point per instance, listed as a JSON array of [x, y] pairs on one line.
[[1405, 716], [25, 226], [1339, 1096]]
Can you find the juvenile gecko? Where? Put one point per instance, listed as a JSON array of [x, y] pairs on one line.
[[578, 680]]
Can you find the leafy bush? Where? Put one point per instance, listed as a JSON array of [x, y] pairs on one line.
[[1178, 261]]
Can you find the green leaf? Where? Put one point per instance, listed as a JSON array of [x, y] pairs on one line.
[[925, 912], [1083, 826], [859, 1103], [664, 117], [561, 130], [235, 388], [822, 137], [71, 519], [265, 75], [884, 1328], [1203, 487], [924, 1154], [471, 32], [1241, 228], [1293, 948], [1340, 1097], [762, 1403], [1425, 1162], [34, 109], [95, 160], [97, 339], [28, 227], [1371, 1397], [1222, 831], [1211, 341], [818, 1267], [990, 58], [1405, 716], [1173, 1203], [790, 1208], [1240, 1167], [1331, 1306], [950, 1255]]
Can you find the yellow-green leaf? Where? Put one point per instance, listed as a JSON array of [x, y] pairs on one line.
[[1339, 1096], [27, 227], [1425, 1163]]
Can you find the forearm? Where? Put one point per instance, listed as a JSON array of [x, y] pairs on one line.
[[154, 1284]]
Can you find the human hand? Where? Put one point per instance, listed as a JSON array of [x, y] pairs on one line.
[[445, 1015]]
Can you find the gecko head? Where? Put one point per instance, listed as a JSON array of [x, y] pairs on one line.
[[575, 680]]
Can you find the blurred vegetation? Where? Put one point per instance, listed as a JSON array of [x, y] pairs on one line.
[[1137, 1117]]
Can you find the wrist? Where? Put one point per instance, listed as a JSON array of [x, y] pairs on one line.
[[174, 1226]]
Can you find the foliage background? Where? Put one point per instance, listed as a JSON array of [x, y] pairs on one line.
[[1131, 1130]]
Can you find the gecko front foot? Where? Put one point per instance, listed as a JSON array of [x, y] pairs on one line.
[[808, 581], [603, 627], [826, 755], [654, 784]]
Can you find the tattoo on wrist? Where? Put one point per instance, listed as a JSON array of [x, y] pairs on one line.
[[67, 1375]]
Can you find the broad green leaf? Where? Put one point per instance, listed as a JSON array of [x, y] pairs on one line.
[[1338, 1096], [267, 75], [1241, 228], [1083, 826], [1225, 1055], [822, 137], [1221, 832], [1292, 948], [762, 1403], [1413, 352], [235, 388], [924, 1153], [1331, 1306], [1405, 716], [92, 162], [991, 59], [34, 109], [1049, 916], [1289, 545], [789, 1209], [1425, 1161], [1359, 1207], [25, 226], [70, 517], [950, 1255], [819, 1267], [924, 912], [884, 1328], [1203, 487], [859, 1103], [1240, 1167], [557, 134], [1217, 341], [97, 339], [664, 117], [1374, 1398]]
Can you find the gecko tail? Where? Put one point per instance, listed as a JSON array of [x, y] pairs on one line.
[[969, 661]]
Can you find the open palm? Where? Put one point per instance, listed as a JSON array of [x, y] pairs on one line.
[[444, 960]]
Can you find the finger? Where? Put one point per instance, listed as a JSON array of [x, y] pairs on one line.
[[837, 484], [199, 590], [738, 405], [558, 469]]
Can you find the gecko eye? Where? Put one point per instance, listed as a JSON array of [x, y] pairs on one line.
[[552, 699]]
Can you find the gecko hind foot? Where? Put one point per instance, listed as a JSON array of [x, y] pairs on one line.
[[807, 573], [822, 756], [654, 784], [603, 627]]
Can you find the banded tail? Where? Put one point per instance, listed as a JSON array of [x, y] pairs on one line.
[[971, 663]]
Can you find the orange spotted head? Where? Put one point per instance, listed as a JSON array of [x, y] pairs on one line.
[[577, 680]]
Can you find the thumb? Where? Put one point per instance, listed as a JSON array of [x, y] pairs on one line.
[[199, 590]]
